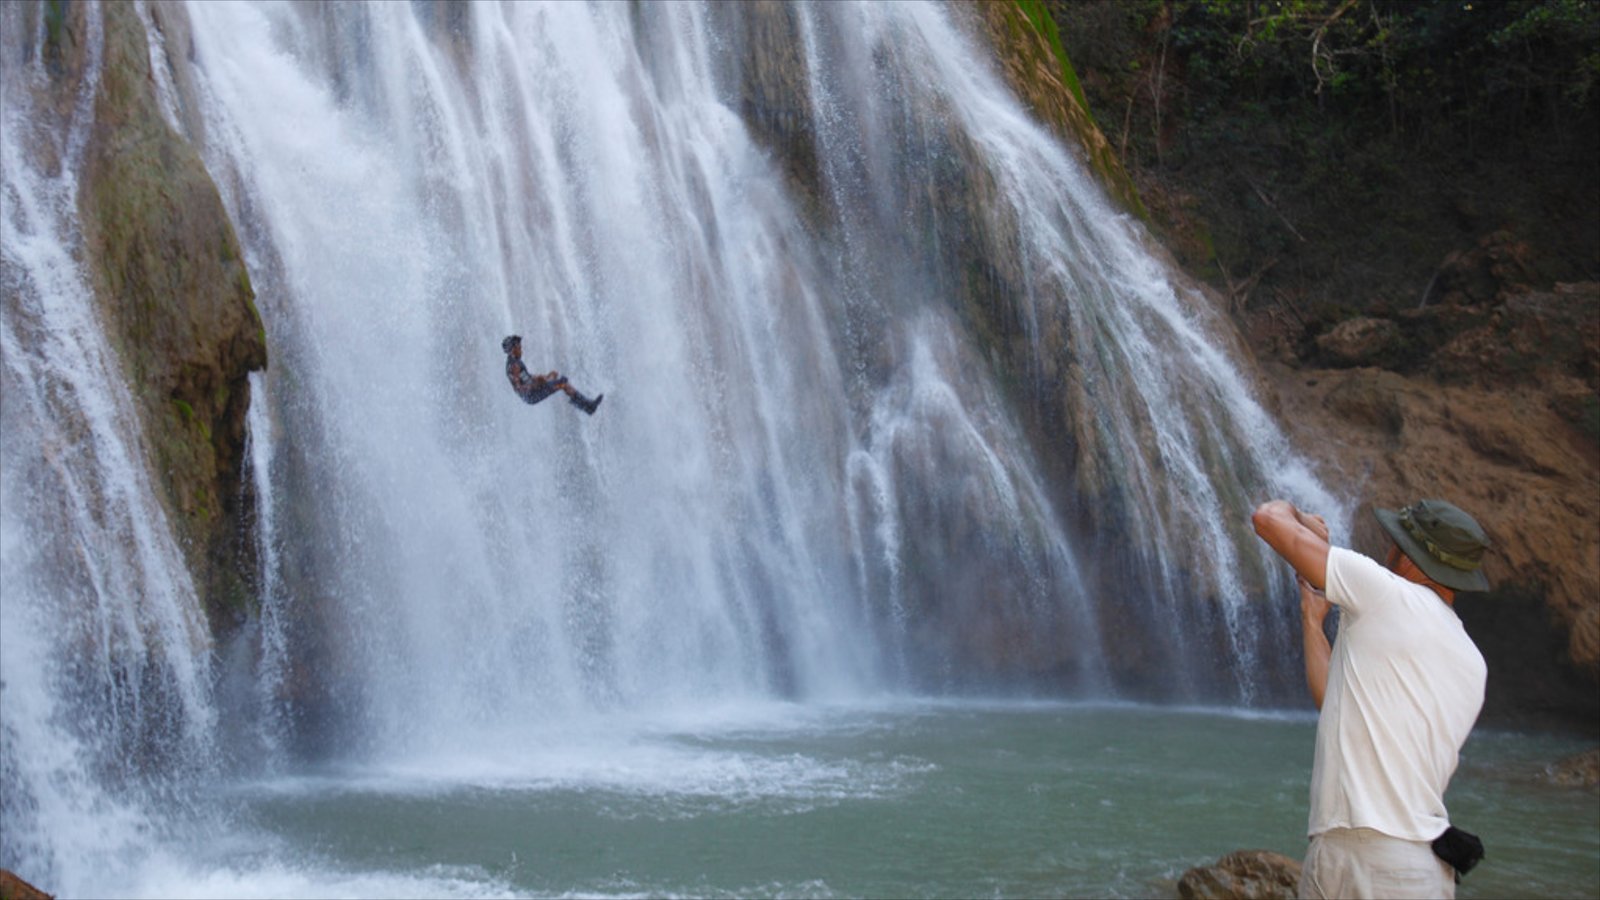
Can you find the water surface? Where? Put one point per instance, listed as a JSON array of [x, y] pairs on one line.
[[903, 799]]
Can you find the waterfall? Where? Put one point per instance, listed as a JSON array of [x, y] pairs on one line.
[[104, 652], [818, 472]]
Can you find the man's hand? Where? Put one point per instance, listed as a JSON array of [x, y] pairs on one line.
[[1317, 524], [1314, 604]]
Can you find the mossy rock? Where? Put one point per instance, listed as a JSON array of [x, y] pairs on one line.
[[1027, 45], [176, 299]]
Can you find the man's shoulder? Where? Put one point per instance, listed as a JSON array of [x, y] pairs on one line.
[[1345, 560], [1361, 584], [1355, 580]]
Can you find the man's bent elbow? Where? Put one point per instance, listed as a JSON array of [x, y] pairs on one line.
[[1278, 524]]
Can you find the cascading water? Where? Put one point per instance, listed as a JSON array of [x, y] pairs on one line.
[[104, 653], [809, 481]]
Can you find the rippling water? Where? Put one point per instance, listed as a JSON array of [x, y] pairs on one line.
[[904, 799]]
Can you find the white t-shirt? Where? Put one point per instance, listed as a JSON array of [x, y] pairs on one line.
[[1405, 685]]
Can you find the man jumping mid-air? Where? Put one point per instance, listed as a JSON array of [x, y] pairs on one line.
[[533, 388]]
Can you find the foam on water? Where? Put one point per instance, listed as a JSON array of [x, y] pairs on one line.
[[250, 873]]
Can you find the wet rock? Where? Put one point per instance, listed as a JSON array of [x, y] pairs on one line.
[[1243, 875], [1578, 770], [169, 276], [774, 91], [1040, 78], [14, 888]]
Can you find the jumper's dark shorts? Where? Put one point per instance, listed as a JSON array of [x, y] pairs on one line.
[[526, 386], [535, 394]]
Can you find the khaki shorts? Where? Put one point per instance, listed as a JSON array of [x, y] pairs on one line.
[[1359, 862]]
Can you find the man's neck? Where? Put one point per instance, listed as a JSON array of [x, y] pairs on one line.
[[1445, 594], [1413, 573]]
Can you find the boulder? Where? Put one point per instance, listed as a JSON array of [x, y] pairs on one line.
[[1243, 875], [1362, 341], [1528, 337], [1578, 770], [14, 888], [1499, 264]]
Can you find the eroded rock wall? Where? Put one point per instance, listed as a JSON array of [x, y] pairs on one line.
[[1487, 393], [1514, 444], [170, 282]]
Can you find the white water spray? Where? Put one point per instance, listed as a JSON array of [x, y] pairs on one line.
[[104, 651], [800, 435]]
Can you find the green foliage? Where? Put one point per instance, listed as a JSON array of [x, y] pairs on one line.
[[1345, 147], [1036, 15], [1559, 44], [1428, 61]]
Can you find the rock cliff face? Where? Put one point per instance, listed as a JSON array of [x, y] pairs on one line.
[[172, 288], [1039, 72], [13, 887], [1484, 395], [1498, 417], [1487, 394]]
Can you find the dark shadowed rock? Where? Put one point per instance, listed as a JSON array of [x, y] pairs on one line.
[[1359, 342]]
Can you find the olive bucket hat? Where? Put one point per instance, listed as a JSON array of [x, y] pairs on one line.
[[1446, 543]]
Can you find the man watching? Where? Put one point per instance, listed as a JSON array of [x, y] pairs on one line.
[[1399, 691]]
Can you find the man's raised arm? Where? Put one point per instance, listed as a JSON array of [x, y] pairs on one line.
[[1301, 539]]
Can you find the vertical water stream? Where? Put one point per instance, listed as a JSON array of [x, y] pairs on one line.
[[105, 676]]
